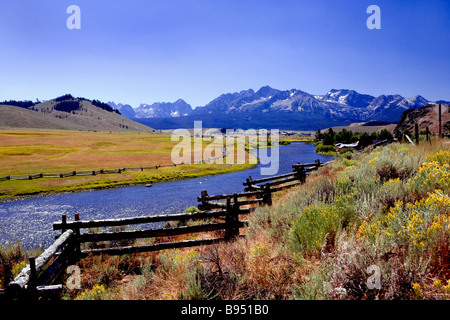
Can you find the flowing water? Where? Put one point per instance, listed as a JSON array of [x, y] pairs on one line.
[[30, 220]]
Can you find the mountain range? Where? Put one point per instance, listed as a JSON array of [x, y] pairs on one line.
[[156, 110], [271, 108]]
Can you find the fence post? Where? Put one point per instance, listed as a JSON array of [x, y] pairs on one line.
[[428, 135], [77, 236], [317, 163], [232, 218], [267, 196], [63, 223], [203, 195], [300, 172], [228, 233], [6, 275], [32, 284], [235, 216]]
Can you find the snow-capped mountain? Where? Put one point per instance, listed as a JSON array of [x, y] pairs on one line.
[[386, 107], [336, 104], [175, 109], [287, 109], [125, 109], [347, 97]]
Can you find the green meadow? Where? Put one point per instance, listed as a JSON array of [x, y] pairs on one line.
[[24, 152]]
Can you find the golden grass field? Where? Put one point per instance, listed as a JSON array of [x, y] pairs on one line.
[[55, 151]]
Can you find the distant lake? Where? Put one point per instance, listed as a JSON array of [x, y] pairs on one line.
[[31, 220]]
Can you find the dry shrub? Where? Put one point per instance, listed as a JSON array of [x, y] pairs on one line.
[[106, 270], [358, 272], [224, 266], [390, 172], [248, 269]]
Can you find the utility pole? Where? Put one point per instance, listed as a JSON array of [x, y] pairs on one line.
[[416, 132]]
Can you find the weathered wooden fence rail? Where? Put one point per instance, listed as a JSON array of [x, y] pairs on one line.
[[230, 215], [39, 276], [269, 185], [82, 173], [219, 201], [36, 279], [220, 212]]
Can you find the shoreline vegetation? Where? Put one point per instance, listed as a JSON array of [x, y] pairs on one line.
[[149, 176], [325, 142]]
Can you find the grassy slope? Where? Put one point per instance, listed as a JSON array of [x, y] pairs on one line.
[[15, 117], [88, 118], [36, 151]]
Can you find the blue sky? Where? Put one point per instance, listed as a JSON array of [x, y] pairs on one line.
[[146, 51]]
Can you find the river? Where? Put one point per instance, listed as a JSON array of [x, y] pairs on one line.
[[30, 220]]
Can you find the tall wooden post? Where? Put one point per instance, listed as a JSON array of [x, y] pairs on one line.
[[416, 132], [428, 135], [440, 120]]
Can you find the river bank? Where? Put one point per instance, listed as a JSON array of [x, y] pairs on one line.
[[24, 189], [29, 220]]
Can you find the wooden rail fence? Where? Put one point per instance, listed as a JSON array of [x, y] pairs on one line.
[[221, 212], [38, 278], [101, 171], [281, 182]]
